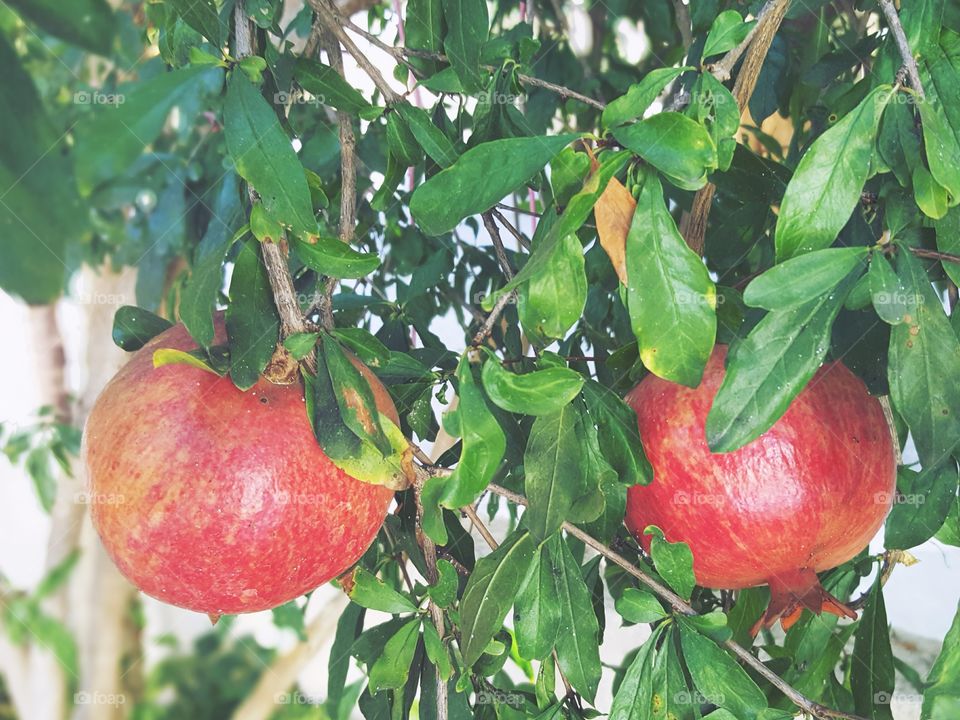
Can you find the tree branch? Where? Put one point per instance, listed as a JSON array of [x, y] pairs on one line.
[[680, 606], [501, 253], [909, 62], [282, 368], [335, 23], [682, 16]]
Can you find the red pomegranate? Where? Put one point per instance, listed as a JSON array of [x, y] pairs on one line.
[[804, 497], [218, 500]]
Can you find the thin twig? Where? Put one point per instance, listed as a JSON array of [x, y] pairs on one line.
[[492, 318], [935, 255], [494, 232], [522, 211], [335, 23], [723, 69], [512, 229], [401, 53], [680, 606], [282, 368], [909, 62]]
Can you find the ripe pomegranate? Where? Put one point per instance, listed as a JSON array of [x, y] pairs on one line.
[[804, 497], [218, 500]]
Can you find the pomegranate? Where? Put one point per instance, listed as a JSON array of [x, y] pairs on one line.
[[218, 500], [804, 497]]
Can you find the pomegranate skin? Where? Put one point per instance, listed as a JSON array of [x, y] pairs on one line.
[[217, 500], [805, 496]]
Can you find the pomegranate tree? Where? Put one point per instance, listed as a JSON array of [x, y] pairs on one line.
[[804, 497], [218, 500]]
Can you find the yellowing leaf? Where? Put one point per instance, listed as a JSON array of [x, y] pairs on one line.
[[614, 213]]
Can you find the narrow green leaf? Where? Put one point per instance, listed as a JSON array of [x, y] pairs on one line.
[[264, 157], [554, 299], [674, 144], [871, 668], [431, 138], [554, 471], [330, 257], [536, 613], [91, 24], [940, 115], [392, 668], [801, 279], [372, 593], [134, 327], [670, 296], [329, 87], [767, 370], [941, 698], [826, 186], [357, 406], [639, 606], [889, 297], [253, 325], [618, 434], [290, 615], [480, 178], [922, 505], [467, 28], [639, 96], [577, 640], [484, 444], [535, 393], [323, 408], [423, 23], [112, 137], [202, 16], [924, 367], [170, 356], [490, 592], [727, 31], [634, 698], [718, 676]]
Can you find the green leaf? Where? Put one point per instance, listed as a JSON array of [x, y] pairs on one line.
[[639, 606], [202, 16], [536, 613], [554, 471], [889, 297], [90, 24], [444, 592], [941, 698], [110, 139], [940, 115], [577, 640], [715, 107], [618, 434], [37, 465], [574, 215], [948, 241], [490, 592], [826, 186], [402, 145], [301, 344], [924, 367], [392, 668], [199, 297], [930, 195], [728, 31], [484, 444], [253, 325], [634, 698], [423, 23], [871, 668], [431, 138], [171, 356], [670, 296], [57, 576], [922, 504], [467, 28], [718, 676], [801, 279], [674, 561], [41, 212], [555, 297], [264, 157], [323, 409], [365, 346], [328, 256], [370, 592], [767, 370], [134, 327], [674, 144], [480, 178], [639, 96], [436, 652], [329, 87], [535, 393]]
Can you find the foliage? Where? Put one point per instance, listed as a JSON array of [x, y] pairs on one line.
[[833, 237]]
